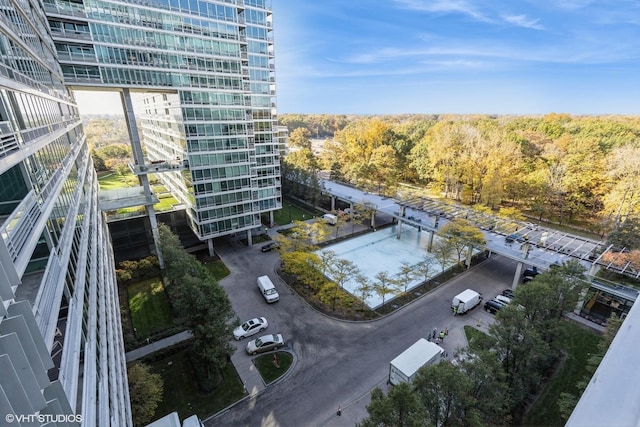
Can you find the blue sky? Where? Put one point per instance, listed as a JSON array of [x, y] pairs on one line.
[[457, 56]]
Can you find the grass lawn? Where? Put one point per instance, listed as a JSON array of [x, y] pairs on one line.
[[291, 212], [149, 307], [474, 334], [268, 369], [578, 344], [111, 181], [217, 269], [181, 390]]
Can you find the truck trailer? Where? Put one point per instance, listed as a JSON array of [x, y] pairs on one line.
[[404, 367], [465, 301]]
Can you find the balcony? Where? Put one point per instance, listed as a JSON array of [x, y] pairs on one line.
[[8, 140]]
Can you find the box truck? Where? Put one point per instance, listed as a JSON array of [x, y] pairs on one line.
[[465, 301], [267, 289], [404, 367]]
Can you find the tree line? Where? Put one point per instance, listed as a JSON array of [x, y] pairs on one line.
[[568, 169]]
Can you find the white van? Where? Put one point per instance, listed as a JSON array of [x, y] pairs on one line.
[[268, 289], [330, 218]]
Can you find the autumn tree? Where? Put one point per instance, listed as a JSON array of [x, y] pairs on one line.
[[442, 251], [384, 285], [364, 288], [406, 275], [302, 237], [342, 271], [462, 234], [329, 293], [425, 267], [145, 392], [301, 138], [306, 267], [623, 166]]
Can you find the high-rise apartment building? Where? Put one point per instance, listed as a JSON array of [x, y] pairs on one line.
[[197, 84], [198, 89], [61, 349]]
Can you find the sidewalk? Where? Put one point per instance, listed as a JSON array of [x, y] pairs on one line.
[[158, 345]]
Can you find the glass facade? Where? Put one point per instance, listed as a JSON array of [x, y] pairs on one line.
[[201, 74], [61, 346]]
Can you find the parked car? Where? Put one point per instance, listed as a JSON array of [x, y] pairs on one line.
[[493, 306], [514, 238], [503, 299], [265, 343], [529, 274], [250, 327], [509, 293], [269, 247]]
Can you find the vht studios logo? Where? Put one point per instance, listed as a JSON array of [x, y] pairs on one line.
[[43, 418]]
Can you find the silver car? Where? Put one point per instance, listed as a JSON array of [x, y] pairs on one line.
[[265, 343], [250, 327]]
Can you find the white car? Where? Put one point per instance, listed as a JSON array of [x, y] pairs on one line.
[[503, 299], [265, 343], [250, 327]]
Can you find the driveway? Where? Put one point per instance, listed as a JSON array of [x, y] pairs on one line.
[[337, 362]]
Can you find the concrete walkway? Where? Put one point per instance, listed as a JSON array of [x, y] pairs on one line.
[[158, 345]]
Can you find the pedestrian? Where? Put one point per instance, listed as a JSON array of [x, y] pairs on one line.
[[446, 331], [435, 331], [455, 310], [441, 336]]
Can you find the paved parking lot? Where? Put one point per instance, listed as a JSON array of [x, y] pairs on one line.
[[337, 363]]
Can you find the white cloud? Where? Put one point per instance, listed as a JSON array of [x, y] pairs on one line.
[[445, 6], [523, 21]]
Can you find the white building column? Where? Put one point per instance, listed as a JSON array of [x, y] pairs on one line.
[[138, 158], [212, 252], [516, 278]]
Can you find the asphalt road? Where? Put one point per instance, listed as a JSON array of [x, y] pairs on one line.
[[337, 362]]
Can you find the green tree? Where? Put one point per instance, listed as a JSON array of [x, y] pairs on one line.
[[145, 392], [568, 401], [544, 301], [400, 408], [202, 302], [444, 390], [98, 161], [210, 316], [522, 352], [626, 235]]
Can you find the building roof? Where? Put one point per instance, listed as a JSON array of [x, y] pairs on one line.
[[612, 397]]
